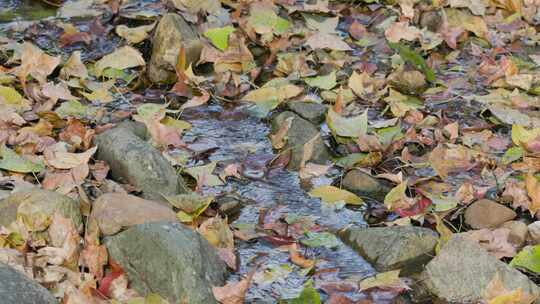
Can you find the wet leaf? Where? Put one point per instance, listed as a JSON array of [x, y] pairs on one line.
[[309, 295], [233, 293], [320, 239], [384, 280], [331, 194], [203, 175]]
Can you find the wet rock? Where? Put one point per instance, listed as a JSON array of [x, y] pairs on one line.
[[462, 270], [314, 112], [534, 233], [114, 211], [168, 259], [485, 213], [518, 232], [390, 248], [300, 132], [365, 185], [134, 161], [36, 203], [172, 33], [15, 287]]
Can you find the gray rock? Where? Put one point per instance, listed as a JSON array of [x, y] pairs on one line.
[[534, 233], [114, 211], [365, 185], [518, 232], [314, 112], [485, 213], [168, 259], [134, 161], [462, 270], [28, 203], [171, 34], [389, 248], [300, 132], [15, 287]]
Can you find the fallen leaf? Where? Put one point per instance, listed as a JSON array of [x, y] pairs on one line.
[[496, 293], [331, 194], [385, 280], [62, 159], [122, 58], [136, 34], [219, 36], [402, 30], [528, 258], [533, 190], [12, 161], [233, 293], [327, 41]]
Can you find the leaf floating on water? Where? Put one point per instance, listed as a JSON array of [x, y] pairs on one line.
[[320, 239], [331, 194]]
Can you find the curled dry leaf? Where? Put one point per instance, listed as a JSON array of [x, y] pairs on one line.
[[402, 30], [233, 293], [59, 158]]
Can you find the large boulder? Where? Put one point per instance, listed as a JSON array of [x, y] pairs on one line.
[[365, 185], [172, 33], [15, 287], [168, 259], [389, 248], [463, 269], [114, 211], [134, 161], [36, 208], [299, 133]]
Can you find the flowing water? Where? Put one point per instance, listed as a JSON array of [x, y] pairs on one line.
[[19, 10], [240, 138]]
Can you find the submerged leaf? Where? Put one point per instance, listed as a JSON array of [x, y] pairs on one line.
[[331, 194]]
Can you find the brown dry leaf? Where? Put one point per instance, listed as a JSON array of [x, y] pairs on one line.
[[327, 41], [231, 170], [533, 190], [65, 239], [233, 293], [217, 232], [65, 182], [402, 30], [74, 67], [494, 241], [58, 157], [119, 290], [196, 100], [451, 158], [310, 170], [122, 58], [516, 190], [296, 257], [134, 35], [496, 293], [36, 63], [95, 257]]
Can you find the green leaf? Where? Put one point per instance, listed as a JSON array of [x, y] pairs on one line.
[[192, 205], [512, 155], [347, 126], [528, 258], [75, 109], [219, 36], [204, 173], [12, 161], [318, 239], [11, 98], [350, 160], [309, 295], [408, 55], [331, 194], [395, 195], [325, 82]]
